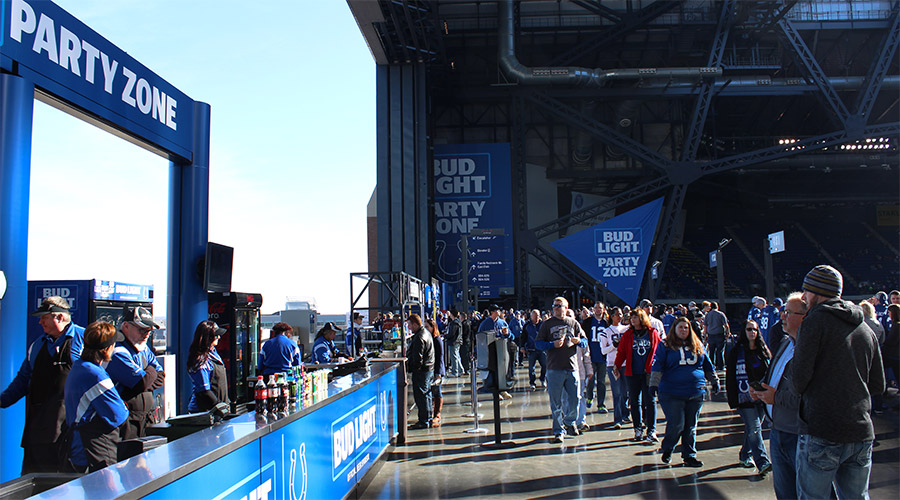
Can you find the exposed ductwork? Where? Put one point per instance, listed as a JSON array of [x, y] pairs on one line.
[[573, 75]]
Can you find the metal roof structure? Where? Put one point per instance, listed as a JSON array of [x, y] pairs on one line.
[[630, 100]]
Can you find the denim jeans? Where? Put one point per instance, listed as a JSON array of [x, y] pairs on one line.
[[783, 452], [717, 352], [599, 379], [563, 411], [639, 391], [537, 357], [421, 382], [821, 463], [456, 366], [619, 393], [753, 444], [682, 413]]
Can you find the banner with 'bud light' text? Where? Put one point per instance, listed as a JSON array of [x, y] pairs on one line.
[[615, 252], [472, 190]]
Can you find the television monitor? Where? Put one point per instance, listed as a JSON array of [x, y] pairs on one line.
[[217, 268]]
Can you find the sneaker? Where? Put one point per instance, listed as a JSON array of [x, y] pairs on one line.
[[666, 456], [638, 435], [583, 428], [558, 438], [747, 463], [533, 387], [573, 431], [651, 437], [602, 409], [505, 395], [590, 402], [617, 425], [765, 469], [692, 462], [418, 425]]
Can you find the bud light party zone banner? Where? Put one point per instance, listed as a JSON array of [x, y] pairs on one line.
[[615, 252], [63, 56], [321, 455], [472, 190]]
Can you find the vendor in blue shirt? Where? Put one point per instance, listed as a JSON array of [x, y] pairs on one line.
[[135, 371], [206, 369], [94, 409], [324, 350], [41, 380], [280, 353]]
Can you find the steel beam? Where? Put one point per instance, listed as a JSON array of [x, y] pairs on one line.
[[866, 97], [664, 240], [704, 98], [520, 194], [807, 61], [602, 132], [627, 25]]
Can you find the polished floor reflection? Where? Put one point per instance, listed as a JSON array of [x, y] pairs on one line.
[[447, 462]]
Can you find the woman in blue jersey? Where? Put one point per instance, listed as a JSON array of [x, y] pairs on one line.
[[94, 409], [206, 369], [680, 370], [748, 362]]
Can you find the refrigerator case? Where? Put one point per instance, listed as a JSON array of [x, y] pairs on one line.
[[238, 313], [89, 300]]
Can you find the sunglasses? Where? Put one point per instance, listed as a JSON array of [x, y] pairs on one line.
[[752, 329], [557, 306]]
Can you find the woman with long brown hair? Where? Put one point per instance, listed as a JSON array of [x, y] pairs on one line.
[[634, 358], [437, 397], [680, 371], [206, 369], [747, 363]]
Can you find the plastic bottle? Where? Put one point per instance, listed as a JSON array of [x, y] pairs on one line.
[[282, 393], [292, 383], [261, 394], [272, 402]]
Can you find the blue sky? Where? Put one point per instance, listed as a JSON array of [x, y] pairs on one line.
[[292, 160]]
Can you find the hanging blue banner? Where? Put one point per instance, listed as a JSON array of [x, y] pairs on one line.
[[615, 252], [472, 191]]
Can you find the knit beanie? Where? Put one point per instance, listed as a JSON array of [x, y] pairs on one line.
[[824, 280]]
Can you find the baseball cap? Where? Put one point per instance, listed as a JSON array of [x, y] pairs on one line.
[[140, 317], [645, 303], [329, 327], [493, 307]]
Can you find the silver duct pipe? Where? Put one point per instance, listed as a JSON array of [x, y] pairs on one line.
[[572, 75]]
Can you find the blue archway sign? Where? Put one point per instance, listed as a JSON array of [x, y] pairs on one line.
[[615, 252], [48, 54]]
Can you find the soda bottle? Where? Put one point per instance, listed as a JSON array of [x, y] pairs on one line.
[[261, 394], [272, 402], [282, 393], [292, 384]]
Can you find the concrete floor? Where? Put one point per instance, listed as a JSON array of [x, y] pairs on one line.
[[447, 462]]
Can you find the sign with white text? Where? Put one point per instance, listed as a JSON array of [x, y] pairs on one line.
[[472, 191], [615, 252], [45, 44]]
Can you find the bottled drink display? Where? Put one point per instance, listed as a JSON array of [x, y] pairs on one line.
[[272, 401], [261, 394]]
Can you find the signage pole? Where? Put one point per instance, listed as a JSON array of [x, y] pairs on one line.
[[473, 377], [720, 278], [770, 273]]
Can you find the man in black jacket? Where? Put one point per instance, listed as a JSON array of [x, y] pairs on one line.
[[420, 365], [837, 366]]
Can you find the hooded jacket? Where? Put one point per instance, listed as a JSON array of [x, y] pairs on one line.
[[836, 367]]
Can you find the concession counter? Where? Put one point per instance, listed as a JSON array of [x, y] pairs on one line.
[[319, 451]]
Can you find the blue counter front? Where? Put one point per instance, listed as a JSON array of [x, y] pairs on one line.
[[318, 452]]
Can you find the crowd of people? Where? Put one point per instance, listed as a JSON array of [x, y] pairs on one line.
[[811, 369]]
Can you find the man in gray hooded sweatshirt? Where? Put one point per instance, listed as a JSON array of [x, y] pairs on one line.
[[836, 367]]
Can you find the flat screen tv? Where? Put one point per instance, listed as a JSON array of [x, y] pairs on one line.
[[217, 267]]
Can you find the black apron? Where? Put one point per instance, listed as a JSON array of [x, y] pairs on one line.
[[45, 409], [140, 410], [100, 443], [218, 381]]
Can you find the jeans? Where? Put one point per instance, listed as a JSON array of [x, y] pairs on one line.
[[821, 463], [682, 413], [717, 352], [619, 393], [599, 380], [639, 390], [421, 382], [456, 366], [582, 403], [540, 357], [783, 451], [753, 441], [562, 411]]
